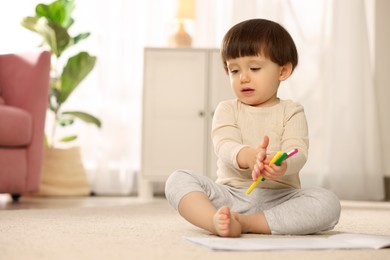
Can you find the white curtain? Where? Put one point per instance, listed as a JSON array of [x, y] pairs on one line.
[[334, 81], [353, 154]]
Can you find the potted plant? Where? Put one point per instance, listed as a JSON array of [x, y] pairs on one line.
[[53, 22]]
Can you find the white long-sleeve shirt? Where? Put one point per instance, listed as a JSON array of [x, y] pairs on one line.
[[237, 125]]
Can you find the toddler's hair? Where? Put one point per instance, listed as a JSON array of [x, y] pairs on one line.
[[259, 37]]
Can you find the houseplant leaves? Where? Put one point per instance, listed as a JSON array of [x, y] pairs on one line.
[[52, 21]]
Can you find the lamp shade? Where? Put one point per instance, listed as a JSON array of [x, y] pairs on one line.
[[186, 9]]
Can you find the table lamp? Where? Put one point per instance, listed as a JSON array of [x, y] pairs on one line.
[[185, 11]]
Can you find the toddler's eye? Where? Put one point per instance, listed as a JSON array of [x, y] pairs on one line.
[[255, 69], [233, 71]]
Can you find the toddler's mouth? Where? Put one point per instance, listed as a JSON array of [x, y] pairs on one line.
[[247, 90]]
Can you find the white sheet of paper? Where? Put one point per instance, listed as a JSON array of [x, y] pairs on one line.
[[338, 241]]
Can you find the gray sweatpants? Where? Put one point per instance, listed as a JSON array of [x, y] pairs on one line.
[[288, 211]]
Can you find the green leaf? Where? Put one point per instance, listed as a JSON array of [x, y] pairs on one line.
[[69, 7], [58, 12], [80, 37], [65, 121], [68, 138], [77, 68], [88, 118], [55, 12], [41, 26], [62, 38], [55, 36]]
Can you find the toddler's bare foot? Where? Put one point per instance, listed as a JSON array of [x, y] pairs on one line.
[[226, 223]]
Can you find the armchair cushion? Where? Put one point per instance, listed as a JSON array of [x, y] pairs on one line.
[[15, 127]]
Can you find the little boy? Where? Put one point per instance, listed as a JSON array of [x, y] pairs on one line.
[[247, 132]]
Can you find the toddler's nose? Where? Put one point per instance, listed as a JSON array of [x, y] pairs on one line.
[[244, 78]]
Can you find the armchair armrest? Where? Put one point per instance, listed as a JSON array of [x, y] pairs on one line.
[[15, 128]]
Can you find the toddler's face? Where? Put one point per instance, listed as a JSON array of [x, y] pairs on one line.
[[255, 80]]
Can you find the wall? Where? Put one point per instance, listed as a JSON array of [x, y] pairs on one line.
[[382, 49]]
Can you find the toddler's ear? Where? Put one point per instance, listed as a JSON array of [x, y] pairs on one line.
[[285, 71]]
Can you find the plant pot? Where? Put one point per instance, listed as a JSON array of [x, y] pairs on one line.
[[63, 173]]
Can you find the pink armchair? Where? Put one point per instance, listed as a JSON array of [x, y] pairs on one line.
[[24, 87]]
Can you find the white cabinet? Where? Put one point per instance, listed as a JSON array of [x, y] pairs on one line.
[[182, 88]]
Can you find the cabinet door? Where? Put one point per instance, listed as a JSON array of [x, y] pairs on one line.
[[174, 108], [219, 90]]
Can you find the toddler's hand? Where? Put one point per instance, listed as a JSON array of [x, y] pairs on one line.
[[259, 165], [260, 158], [274, 171]]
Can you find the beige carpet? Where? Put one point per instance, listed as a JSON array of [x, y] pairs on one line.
[[152, 230]]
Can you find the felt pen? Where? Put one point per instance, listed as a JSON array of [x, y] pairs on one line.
[[261, 178], [280, 159], [291, 153], [277, 160]]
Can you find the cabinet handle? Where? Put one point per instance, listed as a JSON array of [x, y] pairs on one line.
[[201, 113]]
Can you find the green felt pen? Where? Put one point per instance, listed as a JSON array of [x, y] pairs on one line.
[[281, 158]]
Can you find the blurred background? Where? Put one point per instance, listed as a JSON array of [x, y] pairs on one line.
[[341, 79]]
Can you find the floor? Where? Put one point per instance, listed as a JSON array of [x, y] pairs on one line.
[[125, 227]]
